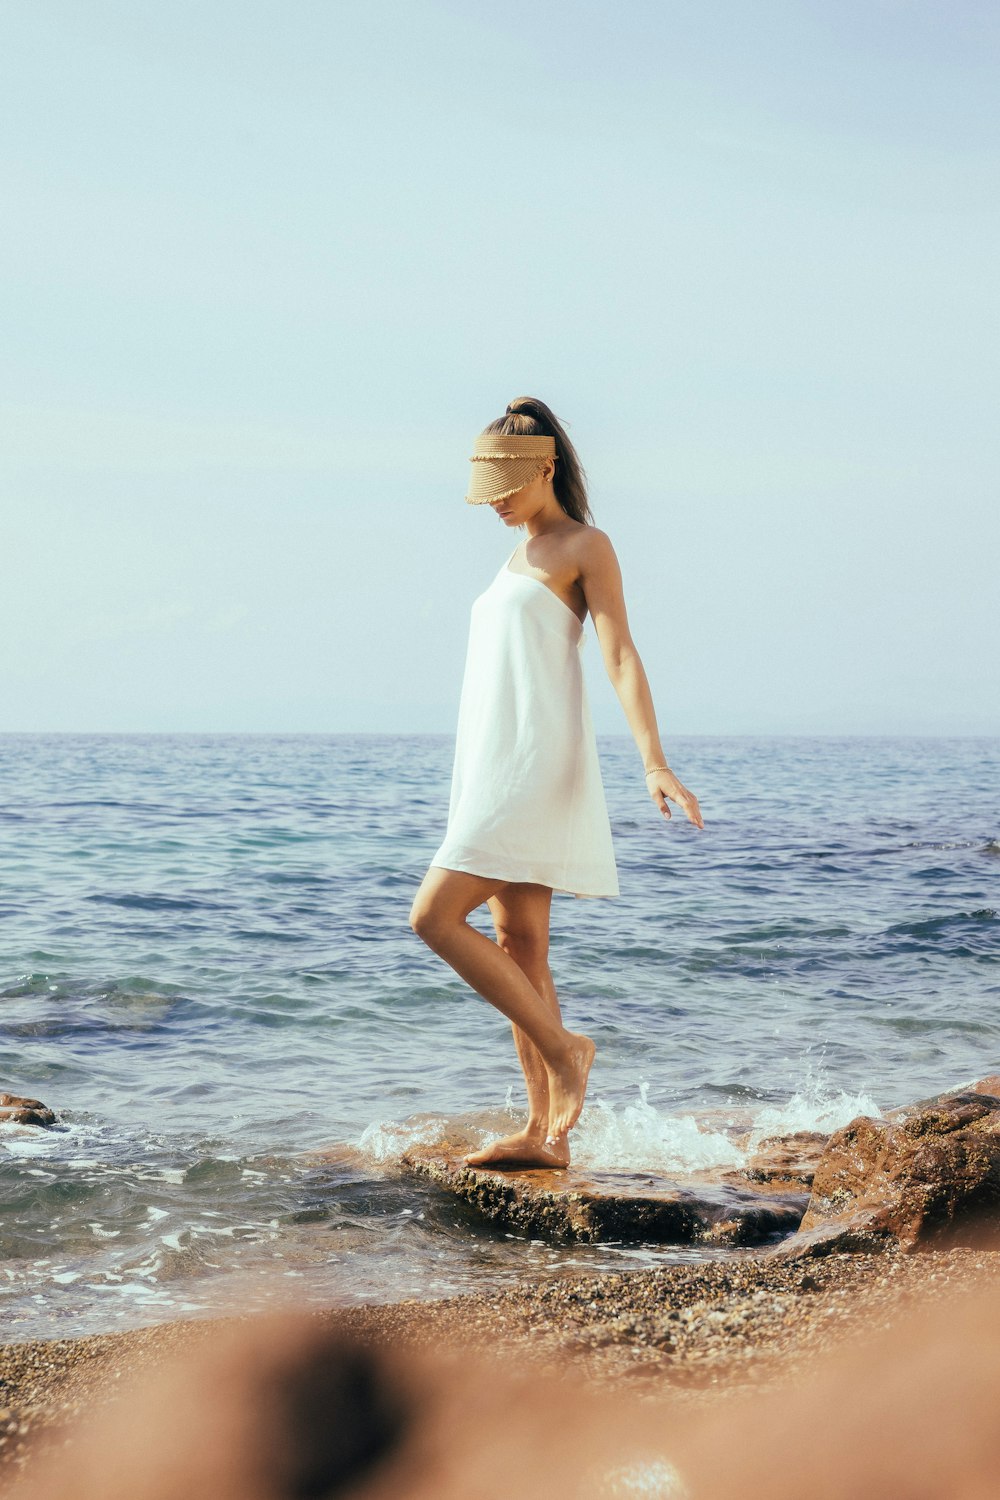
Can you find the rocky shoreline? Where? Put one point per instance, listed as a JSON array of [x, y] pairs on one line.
[[686, 1330], [851, 1234]]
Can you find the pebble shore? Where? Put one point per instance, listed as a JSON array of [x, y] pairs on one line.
[[685, 1331]]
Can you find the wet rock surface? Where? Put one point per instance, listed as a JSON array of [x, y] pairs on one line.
[[597, 1207], [925, 1175], [18, 1111], [782, 1163]]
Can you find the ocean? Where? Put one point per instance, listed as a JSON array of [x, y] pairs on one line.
[[206, 969]]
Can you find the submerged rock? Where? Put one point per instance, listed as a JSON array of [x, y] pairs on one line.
[[925, 1175], [784, 1163], [596, 1207], [18, 1111]]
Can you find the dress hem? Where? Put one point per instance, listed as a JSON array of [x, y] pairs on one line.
[[494, 874]]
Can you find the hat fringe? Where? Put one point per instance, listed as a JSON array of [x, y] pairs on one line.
[[486, 458], [504, 494]]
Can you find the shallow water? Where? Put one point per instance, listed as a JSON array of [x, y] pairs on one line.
[[206, 969]]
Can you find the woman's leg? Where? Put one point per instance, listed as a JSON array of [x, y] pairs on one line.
[[438, 915], [521, 918]]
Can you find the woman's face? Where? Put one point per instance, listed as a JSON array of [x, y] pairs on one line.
[[515, 509]]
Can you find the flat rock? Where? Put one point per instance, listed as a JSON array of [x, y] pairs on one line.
[[595, 1207], [924, 1175]]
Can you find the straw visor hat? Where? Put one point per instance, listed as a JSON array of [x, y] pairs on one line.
[[502, 465]]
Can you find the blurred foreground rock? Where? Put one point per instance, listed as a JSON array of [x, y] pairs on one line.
[[294, 1408]]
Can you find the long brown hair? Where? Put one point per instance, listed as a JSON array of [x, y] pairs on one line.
[[528, 417]]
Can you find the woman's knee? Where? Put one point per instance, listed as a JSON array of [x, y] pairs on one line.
[[427, 919], [527, 946], [421, 915]]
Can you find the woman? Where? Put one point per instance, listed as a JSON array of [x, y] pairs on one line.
[[527, 813]]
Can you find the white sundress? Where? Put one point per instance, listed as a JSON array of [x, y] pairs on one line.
[[527, 801]]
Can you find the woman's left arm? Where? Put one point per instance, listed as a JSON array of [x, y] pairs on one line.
[[601, 581]]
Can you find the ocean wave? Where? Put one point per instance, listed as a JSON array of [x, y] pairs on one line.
[[385, 1141], [930, 928], [156, 901]]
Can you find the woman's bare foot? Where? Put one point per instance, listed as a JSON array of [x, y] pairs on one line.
[[526, 1148], [568, 1085]]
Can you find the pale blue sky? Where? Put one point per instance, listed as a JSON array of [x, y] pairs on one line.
[[268, 267]]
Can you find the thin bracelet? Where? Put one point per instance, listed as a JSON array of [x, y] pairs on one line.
[[654, 769]]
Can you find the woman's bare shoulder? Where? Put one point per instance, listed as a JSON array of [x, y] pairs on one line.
[[593, 548]]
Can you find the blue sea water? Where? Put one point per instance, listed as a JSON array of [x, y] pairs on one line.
[[206, 969]]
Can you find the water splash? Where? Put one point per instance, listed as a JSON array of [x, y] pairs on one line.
[[639, 1138], [811, 1109]]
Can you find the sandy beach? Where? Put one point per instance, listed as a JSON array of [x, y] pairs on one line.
[[685, 1333]]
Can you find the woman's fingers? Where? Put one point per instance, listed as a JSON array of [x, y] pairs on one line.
[[693, 810], [672, 788]]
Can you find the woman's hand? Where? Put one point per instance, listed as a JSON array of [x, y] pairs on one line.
[[664, 784]]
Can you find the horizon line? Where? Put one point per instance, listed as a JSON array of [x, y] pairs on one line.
[[732, 734]]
